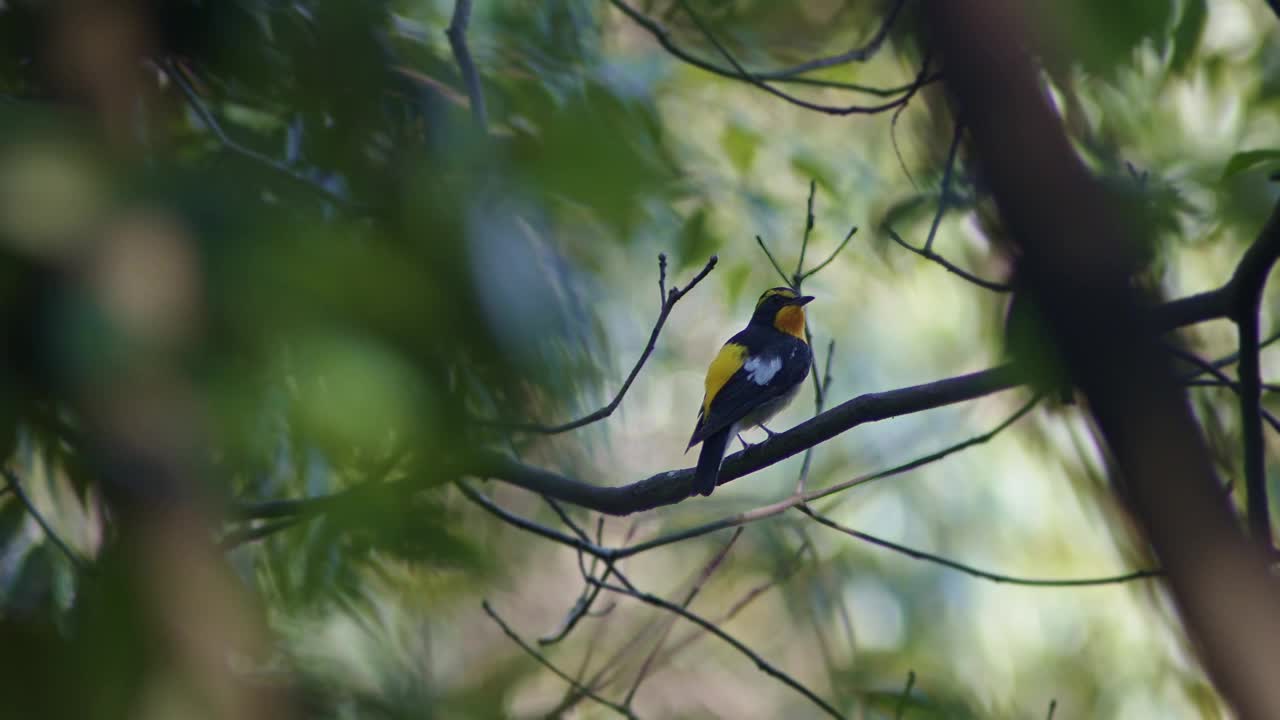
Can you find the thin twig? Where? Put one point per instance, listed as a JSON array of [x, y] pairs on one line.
[[242, 536], [785, 75], [952, 268], [710, 568], [1208, 367], [922, 460], [580, 609], [16, 488], [798, 277], [812, 271], [531, 526], [944, 191], [971, 570], [542, 660], [743, 74], [906, 693], [669, 301], [773, 261], [1249, 281], [764, 665], [457, 33], [738, 606], [858, 54], [819, 400], [211, 123], [1053, 708]]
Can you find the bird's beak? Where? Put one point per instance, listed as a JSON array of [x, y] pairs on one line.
[[802, 300]]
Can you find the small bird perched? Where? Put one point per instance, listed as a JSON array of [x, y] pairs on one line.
[[753, 377]]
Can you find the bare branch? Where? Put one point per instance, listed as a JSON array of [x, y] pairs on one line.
[[194, 101], [814, 270], [764, 665], [1249, 280], [457, 33], [925, 459], [906, 693], [254, 533], [744, 75], [773, 261], [16, 488], [952, 268], [1223, 379], [542, 660], [969, 569], [944, 191], [702, 579], [670, 487], [858, 54], [797, 277], [1078, 261], [669, 301], [785, 75]]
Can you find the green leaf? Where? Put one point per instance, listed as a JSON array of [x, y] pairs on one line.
[[1107, 32], [1187, 33], [695, 242], [740, 144], [1242, 161], [813, 167]]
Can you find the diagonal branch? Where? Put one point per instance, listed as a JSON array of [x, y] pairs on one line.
[[862, 53], [971, 570], [944, 192], [767, 667], [15, 487], [666, 488], [1249, 280], [542, 659], [457, 33], [744, 75], [170, 69], [785, 75], [668, 303], [929, 254]]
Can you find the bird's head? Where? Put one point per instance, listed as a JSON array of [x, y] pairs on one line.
[[782, 308]]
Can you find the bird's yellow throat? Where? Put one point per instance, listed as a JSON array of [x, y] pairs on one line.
[[790, 320]]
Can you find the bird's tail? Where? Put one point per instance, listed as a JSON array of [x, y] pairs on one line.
[[708, 471]]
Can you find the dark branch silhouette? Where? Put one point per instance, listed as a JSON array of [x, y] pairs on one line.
[[1077, 262]]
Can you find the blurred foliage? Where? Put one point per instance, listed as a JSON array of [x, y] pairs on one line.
[[287, 207]]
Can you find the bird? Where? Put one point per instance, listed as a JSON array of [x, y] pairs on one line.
[[754, 376]]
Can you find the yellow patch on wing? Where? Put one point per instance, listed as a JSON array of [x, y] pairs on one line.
[[790, 320], [727, 362]]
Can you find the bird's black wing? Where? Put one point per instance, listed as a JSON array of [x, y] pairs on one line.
[[753, 384]]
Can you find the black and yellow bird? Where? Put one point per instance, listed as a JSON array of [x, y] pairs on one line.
[[754, 376]]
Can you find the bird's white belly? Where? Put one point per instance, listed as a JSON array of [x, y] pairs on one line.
[[768, 409]]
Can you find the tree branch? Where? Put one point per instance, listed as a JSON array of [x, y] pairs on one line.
[[741, 73], [929, 254], [457, 33], [15, 487], [542, 660], [669, 302], [211, 123], [764, 665], [1248, 281], [1077, 262], [971, 570], [785, 75], [944, 191]]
